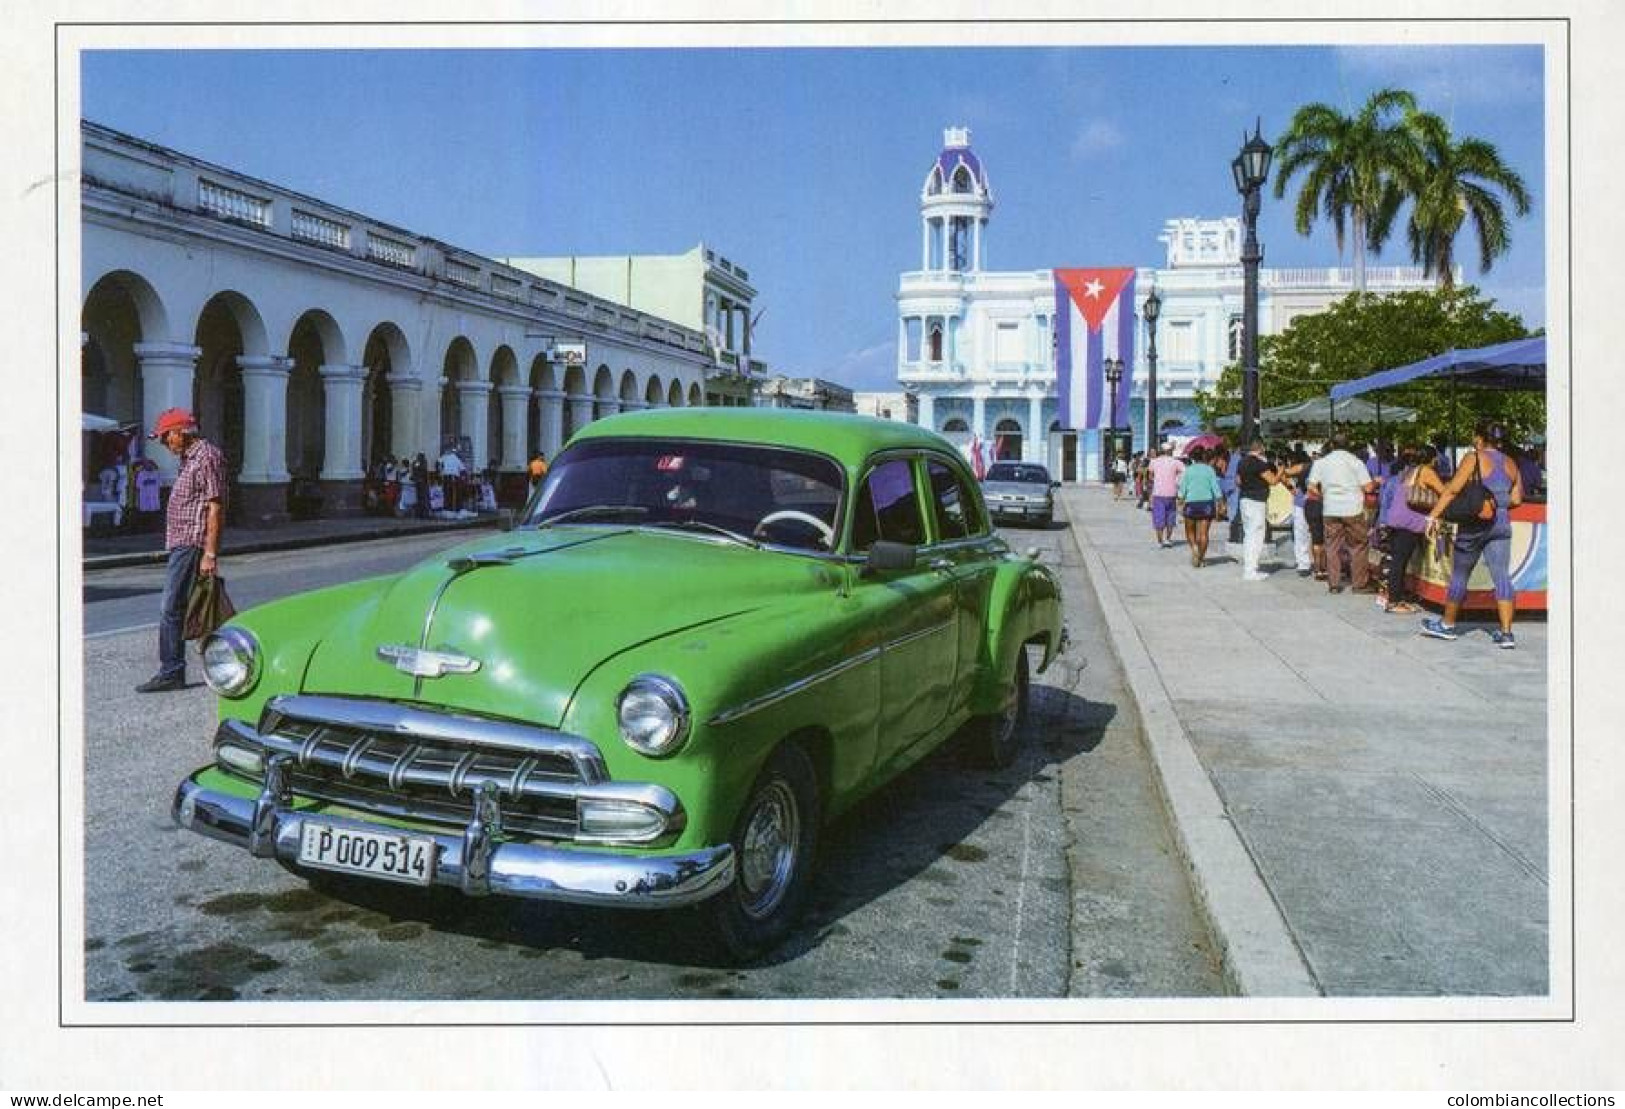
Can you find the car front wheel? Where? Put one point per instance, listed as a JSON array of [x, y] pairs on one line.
[[996, 739], [774, 843]]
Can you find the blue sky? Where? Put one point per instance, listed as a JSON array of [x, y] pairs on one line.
[[804, 165]]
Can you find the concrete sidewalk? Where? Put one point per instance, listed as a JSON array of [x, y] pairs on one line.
[[1364, 810], [139, 548]]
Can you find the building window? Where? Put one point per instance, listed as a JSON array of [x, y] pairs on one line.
[[934, 353], [1233, 339], [1007, 441], [1181, 340]]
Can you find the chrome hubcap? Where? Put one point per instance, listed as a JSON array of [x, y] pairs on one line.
[[767, 850]]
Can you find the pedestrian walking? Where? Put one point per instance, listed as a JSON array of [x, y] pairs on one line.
[[1297, 476], [1405, 499], [1162, 478], [1343, 481], [192, 526], [1199, 496], [451, 479], [1119, 475], [1492, 542], [420, 484], [1254, 477], [1139, 470]]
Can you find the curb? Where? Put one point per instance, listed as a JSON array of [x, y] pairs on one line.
[[1257, 952], [293, 543]]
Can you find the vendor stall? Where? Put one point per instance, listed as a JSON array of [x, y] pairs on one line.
[[1518, 364]]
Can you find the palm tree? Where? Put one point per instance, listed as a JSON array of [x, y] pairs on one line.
[[1449, 181], [1353, 166]]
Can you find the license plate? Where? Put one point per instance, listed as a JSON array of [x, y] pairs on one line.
[[395, 857]]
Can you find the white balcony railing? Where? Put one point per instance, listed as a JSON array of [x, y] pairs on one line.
[[233, 204], [321, 230], [462, 273], [391, 252]]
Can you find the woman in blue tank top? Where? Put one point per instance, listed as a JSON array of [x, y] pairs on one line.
[[1492, 542]]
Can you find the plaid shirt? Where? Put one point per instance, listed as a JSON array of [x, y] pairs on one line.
[[202, 479]]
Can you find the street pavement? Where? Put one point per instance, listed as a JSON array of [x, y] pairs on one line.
[[1364, 810]]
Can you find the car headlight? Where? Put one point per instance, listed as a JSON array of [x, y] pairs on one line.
[[653, 715], [231, 661]]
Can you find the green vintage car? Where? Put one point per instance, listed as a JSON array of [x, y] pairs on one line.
[[712, 631]]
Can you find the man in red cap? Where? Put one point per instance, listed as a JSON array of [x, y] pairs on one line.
[[191, 536]]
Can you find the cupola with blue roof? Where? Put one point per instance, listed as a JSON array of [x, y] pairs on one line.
[[954, 207]]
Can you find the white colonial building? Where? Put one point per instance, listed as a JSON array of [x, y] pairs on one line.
[[700, 289], [975, 346], [311, 339]]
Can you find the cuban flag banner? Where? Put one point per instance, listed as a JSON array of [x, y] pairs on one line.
[[1094, 321]]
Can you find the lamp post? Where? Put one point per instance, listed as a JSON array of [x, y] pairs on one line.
[[1251, 169], [1114, 374], [1150, 311]]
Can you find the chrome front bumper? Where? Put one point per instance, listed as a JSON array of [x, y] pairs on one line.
[[474, 862]]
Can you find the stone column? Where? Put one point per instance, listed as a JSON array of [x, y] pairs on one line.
[[405, 434], [581, 410], [473, 398], [978, 417], [1036, 447], [552, 403], [341, 439], [167, 371], [263, 483], [608, 406], [515, 399], [927, 412], [925, 245]]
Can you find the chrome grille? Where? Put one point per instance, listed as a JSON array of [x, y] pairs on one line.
[[400, 777], [426, 765]]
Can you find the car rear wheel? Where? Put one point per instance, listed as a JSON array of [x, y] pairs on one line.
[[996, 740], [774, 843]]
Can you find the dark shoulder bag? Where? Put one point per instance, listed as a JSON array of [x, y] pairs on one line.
[[1473, 506], [207, 606]]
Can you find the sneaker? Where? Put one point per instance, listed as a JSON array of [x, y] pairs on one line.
[[161, 685], [1503, 640], [1438, 629]]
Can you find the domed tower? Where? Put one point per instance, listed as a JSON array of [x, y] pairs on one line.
[[954, 207]]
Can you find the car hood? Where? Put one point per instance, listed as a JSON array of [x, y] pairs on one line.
[[540, 610], [1026, 489]]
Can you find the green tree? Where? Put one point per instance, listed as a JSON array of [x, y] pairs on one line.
[[1449, 182], [1364, 333], [1352, 168]]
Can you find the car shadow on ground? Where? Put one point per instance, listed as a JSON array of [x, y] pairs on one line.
[[916, 821]]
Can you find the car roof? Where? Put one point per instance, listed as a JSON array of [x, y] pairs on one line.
[[845, 437]]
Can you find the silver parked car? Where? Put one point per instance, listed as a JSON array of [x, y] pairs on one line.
[[1021, 491]]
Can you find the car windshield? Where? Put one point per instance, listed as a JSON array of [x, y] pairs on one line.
[[1017, 472], [766, 494]]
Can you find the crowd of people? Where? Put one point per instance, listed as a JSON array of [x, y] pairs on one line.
[[447, 487], [1359, 517]]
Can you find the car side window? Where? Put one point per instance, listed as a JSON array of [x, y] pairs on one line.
[[953, 504], [887, 508]]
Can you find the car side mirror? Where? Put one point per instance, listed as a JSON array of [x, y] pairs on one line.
[[886, 555], [505, 519]]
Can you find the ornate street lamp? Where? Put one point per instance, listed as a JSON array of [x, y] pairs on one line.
[[1114, 374], [1251, 169], [1151, 309]]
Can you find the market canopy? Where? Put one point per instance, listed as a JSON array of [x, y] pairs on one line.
[[1322, 410], [1517, 364]]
